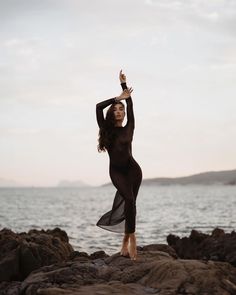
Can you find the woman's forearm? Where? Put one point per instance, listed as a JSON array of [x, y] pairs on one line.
[[99, 110], [123, 85], [103, 104]]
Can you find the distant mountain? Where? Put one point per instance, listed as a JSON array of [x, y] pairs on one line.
[[211, 177], [227, 177], [8, 183], [76, 183]]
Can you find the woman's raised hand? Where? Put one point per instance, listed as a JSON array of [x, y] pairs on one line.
[[125, 94], [122, 77]]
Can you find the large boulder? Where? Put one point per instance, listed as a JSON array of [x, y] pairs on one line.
[[218, 246], [154, 272], [21, 253]]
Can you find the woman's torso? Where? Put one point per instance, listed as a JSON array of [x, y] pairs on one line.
[[121, 151]]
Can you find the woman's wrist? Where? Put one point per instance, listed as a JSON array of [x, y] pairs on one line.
[[117, 99]]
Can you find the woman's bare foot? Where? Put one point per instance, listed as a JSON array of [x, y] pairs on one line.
[[132, 247], [124, 250]]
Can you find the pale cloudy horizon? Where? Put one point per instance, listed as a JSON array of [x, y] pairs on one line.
[[59, 58]]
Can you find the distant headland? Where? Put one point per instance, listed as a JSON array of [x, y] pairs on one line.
[[227, 177]]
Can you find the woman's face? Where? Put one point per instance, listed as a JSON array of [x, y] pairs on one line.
[[119, 112]]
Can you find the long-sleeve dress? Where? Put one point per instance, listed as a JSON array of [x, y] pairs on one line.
[[124, 171]]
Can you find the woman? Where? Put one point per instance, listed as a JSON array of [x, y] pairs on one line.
[[125, 173]]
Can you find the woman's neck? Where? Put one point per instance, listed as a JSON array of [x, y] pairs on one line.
[[118, 124]]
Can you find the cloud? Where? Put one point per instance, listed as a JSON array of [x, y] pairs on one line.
[[218, 15]]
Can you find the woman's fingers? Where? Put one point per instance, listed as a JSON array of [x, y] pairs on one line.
[[122, 76], [129, 90]]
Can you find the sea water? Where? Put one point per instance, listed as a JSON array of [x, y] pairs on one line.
[[161, 210]]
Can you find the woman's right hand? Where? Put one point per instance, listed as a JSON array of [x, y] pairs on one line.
[[125, 94]]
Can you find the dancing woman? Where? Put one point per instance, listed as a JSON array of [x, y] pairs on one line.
[[124, 171]]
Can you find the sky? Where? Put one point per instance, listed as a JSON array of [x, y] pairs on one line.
[[58, 58]]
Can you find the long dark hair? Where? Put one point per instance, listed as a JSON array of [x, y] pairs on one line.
[[107, 131]]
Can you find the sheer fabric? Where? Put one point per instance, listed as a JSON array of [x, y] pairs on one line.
[[124, 171]]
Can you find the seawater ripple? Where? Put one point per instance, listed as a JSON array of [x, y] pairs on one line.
[[161, 210]]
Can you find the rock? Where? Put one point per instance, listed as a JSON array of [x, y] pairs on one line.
[[154, 272], [21, 253], [10, 288], [157, 270], [161, 247], [98, 254], [101, 289], [218, 246]]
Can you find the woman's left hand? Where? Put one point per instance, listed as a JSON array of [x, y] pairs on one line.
[[122, 77]]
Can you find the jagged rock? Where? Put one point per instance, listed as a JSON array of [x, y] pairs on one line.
[[21, 253], [154, 272], [157, 270], [219, 246]]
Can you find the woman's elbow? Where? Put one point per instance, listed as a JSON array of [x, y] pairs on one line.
[[98, 105]]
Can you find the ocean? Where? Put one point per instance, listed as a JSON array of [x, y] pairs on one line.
[[161, 210]]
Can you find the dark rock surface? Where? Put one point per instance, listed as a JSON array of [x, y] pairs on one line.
[[157, 270], [218, 246], [21, 253], [154, 272]]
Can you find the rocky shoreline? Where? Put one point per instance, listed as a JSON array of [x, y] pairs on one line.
[[43, 262]]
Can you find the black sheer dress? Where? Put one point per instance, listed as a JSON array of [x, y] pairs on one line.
[[124, 171]]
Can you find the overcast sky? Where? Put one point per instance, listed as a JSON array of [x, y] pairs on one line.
[[59, 58]]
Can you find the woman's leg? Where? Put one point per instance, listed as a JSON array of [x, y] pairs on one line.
[[120, 180], [123, 180], [125, 243], [135, 177]]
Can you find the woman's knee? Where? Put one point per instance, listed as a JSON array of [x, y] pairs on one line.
[[129, 200], [130, 203]]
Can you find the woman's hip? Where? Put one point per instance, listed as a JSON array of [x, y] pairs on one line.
[[130, 171]]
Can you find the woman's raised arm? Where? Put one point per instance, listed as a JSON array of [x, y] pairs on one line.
[[129, 102], [130, 112], [99, 110]]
